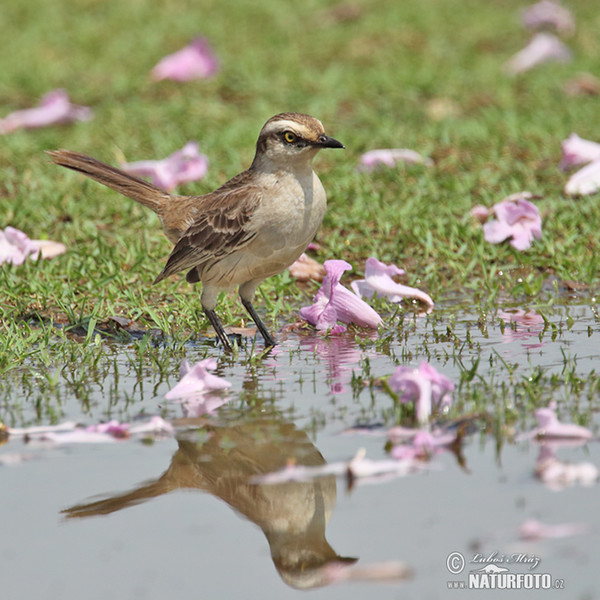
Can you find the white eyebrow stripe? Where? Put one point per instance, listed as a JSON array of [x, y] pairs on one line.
[[283, 124]]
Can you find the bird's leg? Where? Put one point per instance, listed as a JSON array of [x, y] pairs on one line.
[[211, 315], [269, 341]]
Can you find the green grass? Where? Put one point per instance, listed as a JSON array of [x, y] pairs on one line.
[[372, 80]]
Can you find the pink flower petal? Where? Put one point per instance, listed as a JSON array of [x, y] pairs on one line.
[[577, 151], [548, 15], [378, 281], [197, 60], [390, 157], [197, 380], [542, 48], [54, 108], [425, 386], [586, 181], [334, 302], [533, 529], [550, 428], [481, 213], [183, 166], [517, 219], [16, 247], [305, 268]]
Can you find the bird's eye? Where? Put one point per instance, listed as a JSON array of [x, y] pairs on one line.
[[289, 137]]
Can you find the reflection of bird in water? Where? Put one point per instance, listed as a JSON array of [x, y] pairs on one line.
[[292, 516]]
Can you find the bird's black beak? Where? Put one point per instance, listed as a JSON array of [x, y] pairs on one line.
[[325, 141]]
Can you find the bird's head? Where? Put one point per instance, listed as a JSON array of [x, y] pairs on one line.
[[289, 140]]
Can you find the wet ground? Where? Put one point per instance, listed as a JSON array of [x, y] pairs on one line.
[[182, 516]]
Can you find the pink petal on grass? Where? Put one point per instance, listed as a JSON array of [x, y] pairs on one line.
[[334, 302], [15, 247], [305, 268], [390, 157], [197, 380], [543, 47], [183, 166], [54, 108], [378, 281], [585, 182], [517, 220], [533, 529], [577, 151], [548, 15], [481, 213], [197, 60]]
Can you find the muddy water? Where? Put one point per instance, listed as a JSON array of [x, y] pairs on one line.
[[180, 517]]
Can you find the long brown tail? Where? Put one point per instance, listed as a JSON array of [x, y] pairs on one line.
[[137, 189]]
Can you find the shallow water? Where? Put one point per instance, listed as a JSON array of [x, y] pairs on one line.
[[179, 516]]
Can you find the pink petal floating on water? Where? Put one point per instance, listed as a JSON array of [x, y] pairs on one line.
[[197, 380], [533, 529], [529, 319], [183, 166], [390, 157], [334, 302], [550, 428], [54, 108], [385, 571], [357, 467], [378, 281], [425, 387], [197, 60], [305, 268], [548, 15], [585, 182], [543, 47], [418, 443], [558, 475], [517, 219], [15, 247], [577, 151], [72, 433]]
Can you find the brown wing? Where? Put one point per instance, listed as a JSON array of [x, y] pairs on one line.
[[222, 226]]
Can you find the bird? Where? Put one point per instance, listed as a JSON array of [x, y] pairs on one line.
[[252, 227]]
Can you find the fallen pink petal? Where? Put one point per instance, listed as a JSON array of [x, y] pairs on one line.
[[391, 157], [550, 428], [184, 166], [54, 108], [517, 220], [548, 15], [197, 60], [428, 389], [543, 47], [378, 281], [357, 467], [418, 444], [577, 151], [385, 571], [306, 268], [558, 475], [334, 302], [16, 247], [197, 380], [532, 529], [100, 433], [528, 320], [585, 181]]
